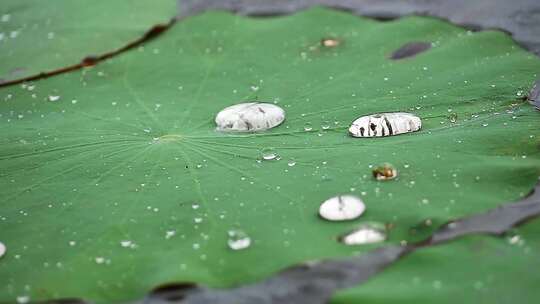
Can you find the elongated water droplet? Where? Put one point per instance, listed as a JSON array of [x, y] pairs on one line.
[[269, 154], [53, 98], [330, 42], [365, 234], [342, 208], [251, 116], [385, 172], [2, 249], [238, 239], [385, 124]]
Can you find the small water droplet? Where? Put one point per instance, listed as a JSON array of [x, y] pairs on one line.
[[291, 163], [127, 244], [100, 260], [452, 117], [238, 239], [330, 42], [2, 249], [169, 234], [53, 98], [385, 172], [308, 127], [342, 208], [325, 125], [365, 234], [269, 154]]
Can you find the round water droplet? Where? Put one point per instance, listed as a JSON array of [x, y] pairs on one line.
[[385, 172], [385, 124], [251, 116], [325, 125], [308, 127], [365, 234], [342, 208], [452, 117], [238, 239], [2, 249]]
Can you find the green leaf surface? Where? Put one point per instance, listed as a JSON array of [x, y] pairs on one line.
[[38, 36], [130, 147]]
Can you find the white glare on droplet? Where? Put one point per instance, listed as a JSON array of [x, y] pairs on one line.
[[238, 239], [53, 98], [2, 249], [23, 299], [365, 234], [342, 208]]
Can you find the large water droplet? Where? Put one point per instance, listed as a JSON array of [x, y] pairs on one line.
[[385, 172], [238, 239], [342, 208], [2, 249], [365, 234], [251, 116], [385, 124]]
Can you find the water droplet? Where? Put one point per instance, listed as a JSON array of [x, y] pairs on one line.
[[385, 124], [385, 172], [2, 249], [308, 127], [452, 117], [291, 163], [53, 98], [238, 239], [325, 125], [195, 206], [127, 244], [269, 154], [342, 208], [100, 260], [330, 42], [169, 234], [365, 234], [251, 116], [23, 299]]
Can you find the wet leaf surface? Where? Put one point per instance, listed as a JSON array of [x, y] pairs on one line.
[[124, 151]]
